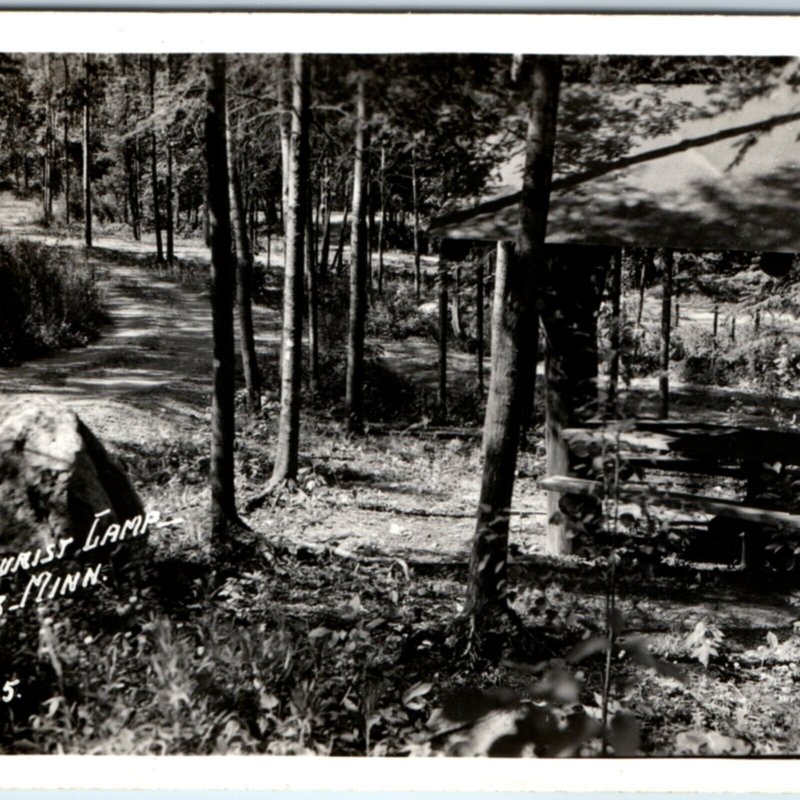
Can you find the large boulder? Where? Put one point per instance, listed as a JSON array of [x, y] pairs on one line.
[[58, 482], [73, 554]]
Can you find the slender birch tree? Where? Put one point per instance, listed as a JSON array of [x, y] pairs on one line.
[[285, 470], [244, 275], [354, 399]]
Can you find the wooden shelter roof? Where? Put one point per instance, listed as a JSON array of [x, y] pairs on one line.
[[725, 181]]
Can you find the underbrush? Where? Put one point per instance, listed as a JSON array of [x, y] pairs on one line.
[[48, 302], [309, 653], [767, 359], [306, 651], [397, 315]]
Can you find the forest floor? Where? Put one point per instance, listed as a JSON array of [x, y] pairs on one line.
[[386, 522]]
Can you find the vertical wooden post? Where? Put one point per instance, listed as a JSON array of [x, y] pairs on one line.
[[757, 321], [557, 459], [570, 302], [455, 302], [733, 328], [479, 324], [616, 324], [647, 260], [677, 314], [442, 337], [666, 310], [716, 321]]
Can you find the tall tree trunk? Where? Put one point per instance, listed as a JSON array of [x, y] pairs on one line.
[[130, 154], [382, 219], [244, 277], [666, 325], [442, 280], [370, 220], [284, 130], [170, 199], [325, 246], [206, 224], [169, 208], [616, 330], [514, 321], [289, 424], [339, 254], [415, 203], [313, 307], [223, 498], [354, 397], [87, 156], [47, 180], [154, 162], [268, 207], [65, 168], [252, 225]]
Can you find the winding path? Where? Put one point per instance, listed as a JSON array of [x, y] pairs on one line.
[[148, 375]]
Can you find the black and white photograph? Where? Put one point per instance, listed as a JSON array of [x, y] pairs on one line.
[[399, 404]]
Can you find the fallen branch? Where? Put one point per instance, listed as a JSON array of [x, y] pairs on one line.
[[382, 508], [433, 433], [340, 552]]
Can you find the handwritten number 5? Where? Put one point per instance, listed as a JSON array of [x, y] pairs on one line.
[[8, 690]]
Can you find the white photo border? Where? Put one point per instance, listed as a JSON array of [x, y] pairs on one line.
[[340, 32]]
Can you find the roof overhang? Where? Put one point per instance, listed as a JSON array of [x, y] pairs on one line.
[[730, 181]]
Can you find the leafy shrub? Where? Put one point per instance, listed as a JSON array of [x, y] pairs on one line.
[[768, 360], [397, 315], [46, 303]]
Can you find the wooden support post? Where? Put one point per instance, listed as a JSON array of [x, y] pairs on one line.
[[571, 301], [559, 540], [716, 321], [479, 324], [733, 328], [442, 276], [455, 303], [666, 310], [646, 267], [616, 330]]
